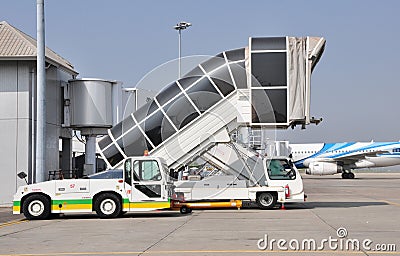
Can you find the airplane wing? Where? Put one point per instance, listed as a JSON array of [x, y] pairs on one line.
[[357, 156], [352, 157]]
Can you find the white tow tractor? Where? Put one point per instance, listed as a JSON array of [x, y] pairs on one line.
[[143, 185]]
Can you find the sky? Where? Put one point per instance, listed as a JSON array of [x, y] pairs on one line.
[[355, 87]]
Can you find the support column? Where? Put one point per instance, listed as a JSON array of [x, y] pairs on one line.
[[41, 97], [90, 155]]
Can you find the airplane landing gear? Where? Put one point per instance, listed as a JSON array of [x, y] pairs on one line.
[[348, 175]]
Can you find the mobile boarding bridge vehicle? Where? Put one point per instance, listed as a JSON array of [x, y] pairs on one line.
[[265, 85]]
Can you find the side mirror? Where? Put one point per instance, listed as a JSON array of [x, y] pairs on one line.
[[23, 175]]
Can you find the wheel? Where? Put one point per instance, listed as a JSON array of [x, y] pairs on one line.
[[266, 200], [107, 206], [185, 210], [36, 207], [345, 175], [351, 175]]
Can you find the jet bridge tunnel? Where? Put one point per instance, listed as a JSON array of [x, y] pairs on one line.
[[266, 84]]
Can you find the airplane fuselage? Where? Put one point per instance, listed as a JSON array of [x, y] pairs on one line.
[[331, 158]]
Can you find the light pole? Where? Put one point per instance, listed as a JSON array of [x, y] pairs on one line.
[[181, 26], [41, 96]]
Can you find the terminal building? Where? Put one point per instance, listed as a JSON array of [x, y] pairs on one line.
[[17, 112], [64, 147]]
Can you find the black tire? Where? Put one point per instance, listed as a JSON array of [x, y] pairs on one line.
[[266, 200], [351, 175], [107, 205], [185, 210], [36, 207], [345, 175]]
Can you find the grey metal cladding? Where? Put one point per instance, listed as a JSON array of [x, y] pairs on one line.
[[122, 127], [112, 155], [222, 79], [268, 43], [180, 111], [116, 131], [239, 74], [212, 63], [134, 143], [90, 104], [195, 72], [188, 81], [225, 87], [104, 142], [167, 93], [235, 55], [203, 94], [145, 110], [178, 108], [157, 128], [203, 89]]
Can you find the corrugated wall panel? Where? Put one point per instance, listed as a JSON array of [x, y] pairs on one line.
[[8, 89], [8, 138], [23, 90]]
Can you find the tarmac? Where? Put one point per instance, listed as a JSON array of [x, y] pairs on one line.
[[340, 217]]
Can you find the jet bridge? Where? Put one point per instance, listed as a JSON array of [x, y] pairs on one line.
[[266, 84]]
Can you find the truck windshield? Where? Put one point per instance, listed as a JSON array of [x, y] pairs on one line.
[[146, 170], [108, 174], [280, 169]]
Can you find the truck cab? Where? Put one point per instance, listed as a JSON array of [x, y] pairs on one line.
[[147, 182], [144, 186]]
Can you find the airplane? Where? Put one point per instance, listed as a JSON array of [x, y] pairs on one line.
[[333, 158]]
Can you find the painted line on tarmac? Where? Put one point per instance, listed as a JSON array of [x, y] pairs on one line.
[[391, 203], [13, 223], [329, 252]]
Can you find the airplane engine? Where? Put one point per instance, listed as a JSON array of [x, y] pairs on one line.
[[323, 168]]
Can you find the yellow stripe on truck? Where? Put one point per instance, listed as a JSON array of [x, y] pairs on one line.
[[16, 209], [66, 207], [155, 205]]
